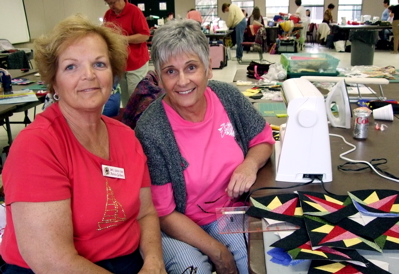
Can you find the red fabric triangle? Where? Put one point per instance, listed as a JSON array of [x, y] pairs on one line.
[[384, 204], [330, 206]]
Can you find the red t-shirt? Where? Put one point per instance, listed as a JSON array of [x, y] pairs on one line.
[[132, 21], [47, 163]]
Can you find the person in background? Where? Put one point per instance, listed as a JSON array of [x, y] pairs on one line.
[[170, 17], [253, 23], [301, 14], [385, 13], [395, 27], [205, 144], [245, 13], [135, 28], [385, 16], [236, 20], [328, 18], [308, 13], [256, 18], [82, 201], [194, 15]]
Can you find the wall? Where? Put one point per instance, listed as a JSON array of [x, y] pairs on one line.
[[370, 7], [182, 7], [43, 15]]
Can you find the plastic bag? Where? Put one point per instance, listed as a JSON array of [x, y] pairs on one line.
[[257, 69], [276, 73]]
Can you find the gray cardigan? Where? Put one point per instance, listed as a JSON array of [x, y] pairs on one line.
[[165, 162]]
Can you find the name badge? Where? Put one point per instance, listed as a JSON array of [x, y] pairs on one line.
[[113, 172]]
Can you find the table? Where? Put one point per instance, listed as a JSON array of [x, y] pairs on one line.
[[6, 111], [219, 36], [379, 144]]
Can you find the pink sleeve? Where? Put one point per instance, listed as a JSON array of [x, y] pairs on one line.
[[162, 197], [265, 136]]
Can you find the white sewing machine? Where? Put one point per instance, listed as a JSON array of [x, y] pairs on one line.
[[304, 149]]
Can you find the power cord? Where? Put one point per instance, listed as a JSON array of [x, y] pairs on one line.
[[374, 167], [265, 188]]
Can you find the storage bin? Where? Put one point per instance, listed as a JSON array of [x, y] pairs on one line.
[[309, 62], [299, 75], [286, 46]]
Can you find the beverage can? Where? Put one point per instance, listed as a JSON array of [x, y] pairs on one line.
[[361, 123]]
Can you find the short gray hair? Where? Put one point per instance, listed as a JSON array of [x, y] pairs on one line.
[[176, 38]]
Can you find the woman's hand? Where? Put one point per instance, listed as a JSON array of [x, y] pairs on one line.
[[244, 175], [242, 179], [223, 260]]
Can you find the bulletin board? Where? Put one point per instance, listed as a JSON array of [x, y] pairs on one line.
[[13, 21]]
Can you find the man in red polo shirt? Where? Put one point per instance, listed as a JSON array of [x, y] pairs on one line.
[[135, 27]]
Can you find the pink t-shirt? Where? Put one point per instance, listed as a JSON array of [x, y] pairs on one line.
[[194, 15], [212, 153], [47, 163]]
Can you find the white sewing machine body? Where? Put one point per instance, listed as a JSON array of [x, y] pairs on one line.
[[303, 151]]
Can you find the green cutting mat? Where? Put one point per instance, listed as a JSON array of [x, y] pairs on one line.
[[396, 80], [271, 109], [37, 87]]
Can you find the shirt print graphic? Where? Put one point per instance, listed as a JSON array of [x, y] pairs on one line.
[[114, 213], [226, 129]]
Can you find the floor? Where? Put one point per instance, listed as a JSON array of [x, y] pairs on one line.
[[381, 59]]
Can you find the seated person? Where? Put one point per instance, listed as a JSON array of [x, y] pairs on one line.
[[82, 201], [205, 144], [254, 22], [145, 93]]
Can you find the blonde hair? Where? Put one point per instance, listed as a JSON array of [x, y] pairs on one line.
[[49, 47]]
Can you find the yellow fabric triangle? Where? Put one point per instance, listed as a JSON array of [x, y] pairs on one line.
[[324, 229], [332, 200], [395, 208], [393, 239], [319, 253], [352, 242], [274, 203], [298, 211], [317, 206], [332, 268], [372, 198]]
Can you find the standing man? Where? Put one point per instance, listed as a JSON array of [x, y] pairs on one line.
[[134, 26], [237, 21]]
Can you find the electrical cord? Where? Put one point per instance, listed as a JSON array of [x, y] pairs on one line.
[[265, 188], [374, 167]]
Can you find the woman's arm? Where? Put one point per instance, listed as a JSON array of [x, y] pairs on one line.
[[180, 227], [44, 234], [150, 241], [244, 175]]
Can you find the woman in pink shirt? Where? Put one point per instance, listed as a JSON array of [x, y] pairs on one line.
[[205, 144]]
